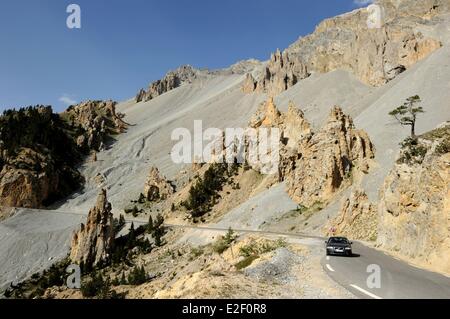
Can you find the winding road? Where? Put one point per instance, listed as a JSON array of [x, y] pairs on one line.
[[358, 274], [397, 280]]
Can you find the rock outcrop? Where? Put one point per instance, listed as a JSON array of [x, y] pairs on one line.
[[37, 158], [157, 186], [414, 205], [357, 219], [93, 243], [95, 122], [375, 56], [249, 85], [172, 80], [33, 180], [327, 159], [315, 165]]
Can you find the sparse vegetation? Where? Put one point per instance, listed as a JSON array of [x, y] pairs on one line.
[[203, 195], [137, 276], [412, 152], [247, 261], [224, 242], [256, 249], [119, 224], [305, 212], [98, 287], [196, 252], [38, 283], [443, 147], [156, 229]]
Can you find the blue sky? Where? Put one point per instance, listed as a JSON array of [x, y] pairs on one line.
[[124, 45]]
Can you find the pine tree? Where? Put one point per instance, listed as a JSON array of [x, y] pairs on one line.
[[407, 113], [131, 237], [158, 230]]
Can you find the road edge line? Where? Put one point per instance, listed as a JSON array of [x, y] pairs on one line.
[[365, 292]]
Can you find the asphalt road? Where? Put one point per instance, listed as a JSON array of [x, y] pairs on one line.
[[398, 280]]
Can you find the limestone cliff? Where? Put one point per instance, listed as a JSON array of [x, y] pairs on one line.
[[357, 219], [375, 55], [94, 241], [414, 205]]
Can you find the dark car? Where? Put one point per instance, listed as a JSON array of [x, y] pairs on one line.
[[339, 246]]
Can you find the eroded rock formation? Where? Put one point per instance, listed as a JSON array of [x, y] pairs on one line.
[[157, 186], [95, 121], [315, 165], [327, 159], [357, 219], [414, 205], [375, 56], [172, 80], [93, 243]]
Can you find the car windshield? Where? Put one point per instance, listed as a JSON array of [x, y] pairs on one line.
[[338, 240]]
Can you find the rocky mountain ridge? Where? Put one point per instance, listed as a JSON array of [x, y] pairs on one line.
[[375, 56]]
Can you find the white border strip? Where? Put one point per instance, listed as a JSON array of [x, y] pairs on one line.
[[366, 292], [329, 268]]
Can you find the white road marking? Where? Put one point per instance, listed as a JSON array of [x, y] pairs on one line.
[[366, 292], [329, 268], [328, 257]]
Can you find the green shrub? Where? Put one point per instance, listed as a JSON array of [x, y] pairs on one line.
[[137, 276], [247, 261]]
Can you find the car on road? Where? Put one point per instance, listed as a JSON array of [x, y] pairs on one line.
[[339, 246]]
